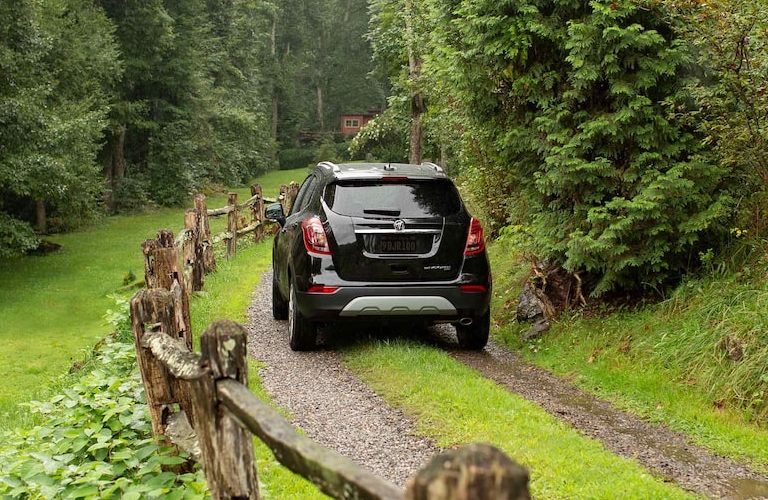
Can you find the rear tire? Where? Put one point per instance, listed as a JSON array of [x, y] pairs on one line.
[[475, 336], [302, 332], [279, 304]]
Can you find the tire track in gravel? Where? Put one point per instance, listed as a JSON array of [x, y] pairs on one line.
[[664, 452], [329, 403]]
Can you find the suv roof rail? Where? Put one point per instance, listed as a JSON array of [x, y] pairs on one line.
[[434, 166], [329, 164]]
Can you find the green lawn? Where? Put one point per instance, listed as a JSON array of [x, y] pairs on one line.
[[52, 307]]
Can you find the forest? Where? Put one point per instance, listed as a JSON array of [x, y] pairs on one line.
[[616, 152], [625, 138], [112, 106]]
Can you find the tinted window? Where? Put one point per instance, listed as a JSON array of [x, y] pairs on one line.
[[402, 199], [305, 194]]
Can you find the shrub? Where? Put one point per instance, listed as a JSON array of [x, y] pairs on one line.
[[291, 158], [731, 42], [385, 139], [16, 237], [131, 195], [580, 102]]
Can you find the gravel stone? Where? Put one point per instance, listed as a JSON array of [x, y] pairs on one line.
[[329, 403]]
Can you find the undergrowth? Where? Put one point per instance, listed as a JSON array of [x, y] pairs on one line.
[[96, 439], [696, 361]]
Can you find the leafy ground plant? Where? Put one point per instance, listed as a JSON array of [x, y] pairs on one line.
[[96, 439]]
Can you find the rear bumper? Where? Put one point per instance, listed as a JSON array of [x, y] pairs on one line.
[[447, 303]]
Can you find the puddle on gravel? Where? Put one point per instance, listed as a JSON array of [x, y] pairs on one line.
[[748, 489], [612, 418]]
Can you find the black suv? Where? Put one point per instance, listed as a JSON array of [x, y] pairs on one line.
[[384, 242]]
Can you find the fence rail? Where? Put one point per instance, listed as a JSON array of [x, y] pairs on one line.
[[201, 402]]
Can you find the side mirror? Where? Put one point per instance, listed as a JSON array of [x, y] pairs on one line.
[[275, 212]]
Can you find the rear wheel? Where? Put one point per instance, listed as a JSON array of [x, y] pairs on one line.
[[474, 336], [279, 304], [302, 332]]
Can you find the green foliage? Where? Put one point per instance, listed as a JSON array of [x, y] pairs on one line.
[[695, 362], [57, 62], [382, 139], [321, 65], [573, 106], [96, 440], [731, 42], [291, 158], [16, 237], [192, 102]]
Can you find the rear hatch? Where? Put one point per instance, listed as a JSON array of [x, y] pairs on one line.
[[396, 230]]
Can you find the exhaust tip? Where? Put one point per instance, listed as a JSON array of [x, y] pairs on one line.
[[465, 321]]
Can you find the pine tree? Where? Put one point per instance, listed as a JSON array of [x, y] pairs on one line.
[[577, 101]]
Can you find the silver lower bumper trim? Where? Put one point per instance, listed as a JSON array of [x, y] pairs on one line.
[[398, 306]]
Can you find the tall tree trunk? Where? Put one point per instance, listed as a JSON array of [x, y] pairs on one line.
[[116, 167], [417, 99], [41, 220], [274, 83], [320, 106]]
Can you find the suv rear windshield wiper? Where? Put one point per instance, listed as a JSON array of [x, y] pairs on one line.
[[381, 211]]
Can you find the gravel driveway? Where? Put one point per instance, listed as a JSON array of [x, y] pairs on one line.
[[336, 409], [329, 403]]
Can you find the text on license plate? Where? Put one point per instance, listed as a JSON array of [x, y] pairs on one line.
[[397, 245]]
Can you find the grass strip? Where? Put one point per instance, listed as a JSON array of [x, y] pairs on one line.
[[455, 405]]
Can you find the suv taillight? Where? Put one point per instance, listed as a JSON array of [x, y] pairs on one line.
[[475, 240], [315, 240]]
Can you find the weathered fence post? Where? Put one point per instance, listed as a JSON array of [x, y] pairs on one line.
[[154, 307], [258, 212], [204, 232], [227, 448], [232, 225], [161, 270], [194, 268], [473, 472]]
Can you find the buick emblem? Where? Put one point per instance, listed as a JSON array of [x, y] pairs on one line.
[[399, 225]]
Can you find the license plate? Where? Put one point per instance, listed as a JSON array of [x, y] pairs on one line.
[[397, 244]]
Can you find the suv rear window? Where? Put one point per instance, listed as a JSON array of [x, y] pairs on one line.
[[411, 199]]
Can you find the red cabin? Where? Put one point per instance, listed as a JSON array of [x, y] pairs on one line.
[[352, 123]]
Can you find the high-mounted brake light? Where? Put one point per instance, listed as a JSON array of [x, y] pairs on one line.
[[322, 289], [393, 178], [475, 240], [315, 240]]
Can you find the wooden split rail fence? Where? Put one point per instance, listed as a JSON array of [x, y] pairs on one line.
[[201, 403]]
